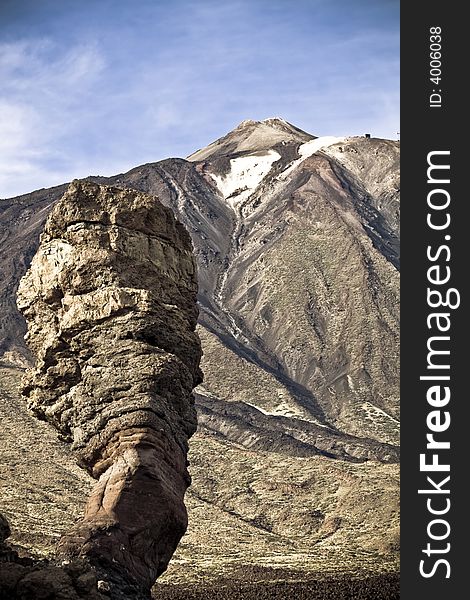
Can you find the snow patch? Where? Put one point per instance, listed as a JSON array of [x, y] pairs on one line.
[[284, 410], [374, 411], [246, 173], [351, 383], [309, 148]]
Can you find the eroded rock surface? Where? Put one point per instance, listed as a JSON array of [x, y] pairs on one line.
[[110, 301]]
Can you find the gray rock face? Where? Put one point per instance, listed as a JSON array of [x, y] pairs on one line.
[[110, 302]]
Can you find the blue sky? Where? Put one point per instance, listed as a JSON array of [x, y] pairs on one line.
[[100, 86]]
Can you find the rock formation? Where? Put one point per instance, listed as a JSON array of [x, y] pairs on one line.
[[26, 579], [110, 302]]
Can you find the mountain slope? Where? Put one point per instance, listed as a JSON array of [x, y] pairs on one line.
[[297, 244]]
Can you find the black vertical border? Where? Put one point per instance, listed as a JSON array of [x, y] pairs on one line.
[[425, 129]]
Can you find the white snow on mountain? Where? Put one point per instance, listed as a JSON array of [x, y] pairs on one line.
[[246, 173], [309, 148]]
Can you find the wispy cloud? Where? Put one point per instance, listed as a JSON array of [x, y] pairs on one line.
[[138, 82], [42, 102]]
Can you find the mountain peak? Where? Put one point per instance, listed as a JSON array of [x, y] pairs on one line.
[[276, 121], [246, 123], [273, 121], [252, 135]]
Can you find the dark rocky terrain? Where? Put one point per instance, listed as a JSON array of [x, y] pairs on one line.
[[278, 584], [295, 462]]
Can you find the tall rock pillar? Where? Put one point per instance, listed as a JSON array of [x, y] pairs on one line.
[[110, 302]]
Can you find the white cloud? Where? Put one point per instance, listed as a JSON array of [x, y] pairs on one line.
[[42, 93], [103, 95]]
